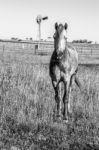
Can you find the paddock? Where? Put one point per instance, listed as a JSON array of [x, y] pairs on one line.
[[27, 105], [39, 52]]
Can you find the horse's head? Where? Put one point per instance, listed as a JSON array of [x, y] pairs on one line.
[[60, 39]]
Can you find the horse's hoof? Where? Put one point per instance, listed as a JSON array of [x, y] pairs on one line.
[[59, 119], [70, 115], [65, 121]]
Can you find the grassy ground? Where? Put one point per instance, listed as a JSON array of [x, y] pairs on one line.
[[27, 110]]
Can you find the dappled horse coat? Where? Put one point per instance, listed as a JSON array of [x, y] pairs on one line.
[[63, 67]]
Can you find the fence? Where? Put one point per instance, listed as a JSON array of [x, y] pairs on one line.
[[41, 51]]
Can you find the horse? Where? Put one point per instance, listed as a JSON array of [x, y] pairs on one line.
[[63, 68]]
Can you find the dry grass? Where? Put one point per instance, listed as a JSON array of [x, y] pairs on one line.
[[27, 110]]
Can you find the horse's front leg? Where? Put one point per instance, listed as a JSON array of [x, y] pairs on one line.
[[66, 99], [57, 88]]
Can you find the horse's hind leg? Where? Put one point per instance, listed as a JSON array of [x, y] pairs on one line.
[[59, 101], [78, 82], [69, 95]]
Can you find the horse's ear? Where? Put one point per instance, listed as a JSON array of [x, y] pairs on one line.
[[56, 25], [66, 26]]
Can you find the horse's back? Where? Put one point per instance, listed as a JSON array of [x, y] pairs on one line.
[[71, 58], [72, 52]]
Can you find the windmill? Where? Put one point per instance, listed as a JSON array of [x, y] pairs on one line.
[[39, 20]]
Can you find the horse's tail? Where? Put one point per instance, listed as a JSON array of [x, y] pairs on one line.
[[78, 83]]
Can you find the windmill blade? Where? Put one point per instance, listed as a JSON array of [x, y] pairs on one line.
[[44, 18]]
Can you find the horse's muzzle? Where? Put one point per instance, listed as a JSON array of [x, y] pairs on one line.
[[59, 55]]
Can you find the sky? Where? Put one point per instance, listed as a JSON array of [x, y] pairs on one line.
[[18, 18]]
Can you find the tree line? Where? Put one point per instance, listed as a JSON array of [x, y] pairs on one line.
[[82, 41]]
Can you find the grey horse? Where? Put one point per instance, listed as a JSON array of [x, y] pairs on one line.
[[63, 68]]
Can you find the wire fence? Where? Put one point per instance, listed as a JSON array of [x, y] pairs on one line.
[[41, 51]]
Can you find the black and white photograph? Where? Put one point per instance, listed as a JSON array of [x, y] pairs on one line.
[[49, 75]]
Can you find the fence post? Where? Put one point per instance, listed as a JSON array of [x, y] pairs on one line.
[[36, 48]]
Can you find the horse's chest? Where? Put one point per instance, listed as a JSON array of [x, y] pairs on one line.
[[61, 71], [65, 67]]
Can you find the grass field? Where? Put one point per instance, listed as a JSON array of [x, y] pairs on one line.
[[27, 110], [27, 105]]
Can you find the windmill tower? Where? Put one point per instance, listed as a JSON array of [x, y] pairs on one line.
[[39, 20]]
